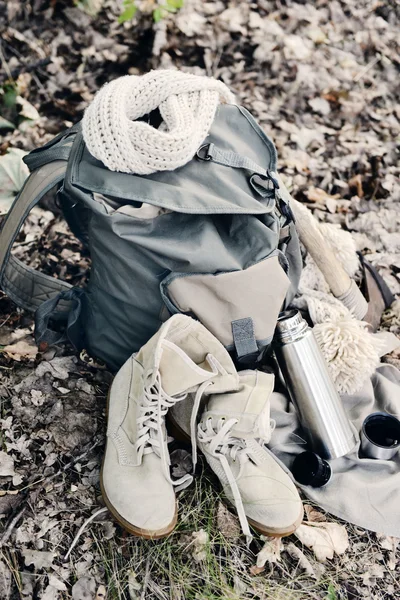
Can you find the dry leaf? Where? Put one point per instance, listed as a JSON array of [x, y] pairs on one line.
[[303, 561], [313, 514], [356, 183], [40, 560], [9, 335], [319, 196], [84, 589], [254, 570], [199, 545], [21, 350], [5, 581], [375, 571], [227, 523], [101, 593], [270, 552], [325, 539], [181, 463], [59, 367], [134, 586], [51, 593], [28, 111], [320, 105], [13, 172], [57, 583], [91, 7], [6, 465], [389, 543]]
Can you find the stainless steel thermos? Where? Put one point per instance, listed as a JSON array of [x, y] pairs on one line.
[[311, 388]]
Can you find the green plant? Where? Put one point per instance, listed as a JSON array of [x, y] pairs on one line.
[[331, 592], [129, 11], [159, 12]]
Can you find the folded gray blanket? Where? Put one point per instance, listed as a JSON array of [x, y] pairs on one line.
[[363, 491]]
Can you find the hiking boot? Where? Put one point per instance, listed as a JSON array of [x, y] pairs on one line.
[[231, 434], [136, 484]]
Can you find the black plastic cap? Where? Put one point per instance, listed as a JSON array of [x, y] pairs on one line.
[[310, 469]]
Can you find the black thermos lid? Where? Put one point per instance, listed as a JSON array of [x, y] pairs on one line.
[[310, 469]]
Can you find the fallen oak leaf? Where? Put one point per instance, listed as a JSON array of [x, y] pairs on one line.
[[357, 184], [23, 349], [84, 588], [313, 514], [6, 465], [57, 583], [13, 173], [134, 586], [254, 570], [302, 560], [200, 541], [101, 593], [37, 558], [228, 524], [270, 552], [321, 197], [325, 539], [389, 543]]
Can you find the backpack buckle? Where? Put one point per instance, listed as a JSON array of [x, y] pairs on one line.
[[202, 152], [273, 179]]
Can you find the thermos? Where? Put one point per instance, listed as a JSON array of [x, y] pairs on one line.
[[311, 388]]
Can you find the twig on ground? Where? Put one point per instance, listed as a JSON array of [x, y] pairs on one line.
[[4, 62], [145, 580], [82, 528], [6, 535], [367, 67], [26, 68]]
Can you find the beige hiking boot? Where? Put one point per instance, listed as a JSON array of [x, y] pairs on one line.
[[231, 434], [182, 357]]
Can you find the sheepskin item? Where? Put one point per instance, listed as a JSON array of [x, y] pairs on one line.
[[344, 245], [352, 353], [187, 104]]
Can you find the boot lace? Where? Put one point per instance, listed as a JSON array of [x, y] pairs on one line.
[[222, 445], [153, 408], [152, 436]]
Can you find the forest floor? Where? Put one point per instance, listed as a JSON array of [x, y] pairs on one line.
[[322, 79]]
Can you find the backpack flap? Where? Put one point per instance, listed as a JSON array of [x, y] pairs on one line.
[[210, 244], [202, 186]]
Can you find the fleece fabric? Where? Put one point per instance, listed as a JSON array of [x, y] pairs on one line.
[[362, 491]]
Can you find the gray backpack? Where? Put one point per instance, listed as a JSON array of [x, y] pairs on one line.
[[213, 239]]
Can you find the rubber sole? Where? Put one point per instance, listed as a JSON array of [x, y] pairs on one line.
[[147, 534], [179, 434]]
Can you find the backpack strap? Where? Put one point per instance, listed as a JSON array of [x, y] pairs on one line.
[[25, 286]]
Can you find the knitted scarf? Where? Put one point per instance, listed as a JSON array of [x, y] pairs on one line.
[[187, 104]]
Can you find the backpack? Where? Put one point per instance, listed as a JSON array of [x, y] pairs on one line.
[[213, 239]]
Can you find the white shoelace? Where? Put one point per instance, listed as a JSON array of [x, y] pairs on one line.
[[154, 406], [222, 443], [153, 409]]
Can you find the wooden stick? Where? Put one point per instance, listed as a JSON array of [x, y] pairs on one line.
[[340, 284]]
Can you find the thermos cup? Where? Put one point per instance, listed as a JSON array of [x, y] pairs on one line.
[[380, 436], [311, 388]]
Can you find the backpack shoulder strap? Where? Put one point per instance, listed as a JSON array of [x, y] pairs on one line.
[[25, 286]]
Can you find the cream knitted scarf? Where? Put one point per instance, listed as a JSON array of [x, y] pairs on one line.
[[187, 104]]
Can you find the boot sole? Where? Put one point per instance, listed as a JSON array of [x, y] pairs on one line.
[[179, 434], [147, 534]]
